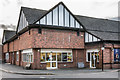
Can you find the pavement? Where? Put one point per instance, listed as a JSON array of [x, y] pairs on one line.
[[14, 69]]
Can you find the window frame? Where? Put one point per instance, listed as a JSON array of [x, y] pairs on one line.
[[56, 56]]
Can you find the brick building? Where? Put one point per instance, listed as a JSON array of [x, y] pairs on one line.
[[59, 39]]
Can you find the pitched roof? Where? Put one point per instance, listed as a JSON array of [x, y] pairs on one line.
[[8, 34], [32, 14], [103, 28]]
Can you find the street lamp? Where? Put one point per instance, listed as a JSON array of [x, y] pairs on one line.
[[102, 56]]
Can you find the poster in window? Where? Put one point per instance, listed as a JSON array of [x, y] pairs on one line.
[[116, 55]]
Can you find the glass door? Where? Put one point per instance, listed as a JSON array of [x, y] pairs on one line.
[[51, 60], [93, 59]]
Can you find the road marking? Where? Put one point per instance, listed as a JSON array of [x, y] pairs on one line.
[[42, 77]]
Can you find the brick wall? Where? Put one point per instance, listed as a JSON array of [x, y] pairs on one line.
[[51, 38]]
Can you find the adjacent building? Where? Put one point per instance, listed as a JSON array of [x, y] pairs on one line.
[[59, 39]]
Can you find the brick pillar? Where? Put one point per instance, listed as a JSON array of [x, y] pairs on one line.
[[14, 58], [36, 59], [10, 58], [20, 58]]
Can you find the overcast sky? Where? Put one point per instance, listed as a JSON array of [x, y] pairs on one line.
[[93, 8]]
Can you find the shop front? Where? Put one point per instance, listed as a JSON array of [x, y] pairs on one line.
[[92, 56], [52, 57]]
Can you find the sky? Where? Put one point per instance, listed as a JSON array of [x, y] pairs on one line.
[[10, 9]]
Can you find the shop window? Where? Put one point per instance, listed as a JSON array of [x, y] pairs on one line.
[[116, 55], [58, 56], [97, 56], [48, 56], [64, 56], [7, 56], [27, 57], [17, 56], [69, 57], [42, 57]]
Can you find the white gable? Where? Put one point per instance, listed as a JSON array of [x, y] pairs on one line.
[[23, 22], [60, 16]]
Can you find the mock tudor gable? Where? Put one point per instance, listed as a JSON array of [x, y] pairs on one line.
[[59, 15]]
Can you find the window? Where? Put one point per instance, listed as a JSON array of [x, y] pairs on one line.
[[7, 56], [72, 21], [116, 55], [55, 16], [58, 56], [61, 57], [48, 56], [61, 15], [89, 54], [66, 18], [97, 56], [69, 57], [77, 24], [42, 21], [90, 38], [17, 56], [88, 57], [27, 57], [94, 38], [49, 18], [42, 57], [86, 37], [64, 56]]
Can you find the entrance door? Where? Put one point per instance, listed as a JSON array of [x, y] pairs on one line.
[[93, 60], [51, 60]]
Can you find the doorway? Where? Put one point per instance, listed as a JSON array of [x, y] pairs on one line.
[[92, 57], [51, 60], [93, 60]]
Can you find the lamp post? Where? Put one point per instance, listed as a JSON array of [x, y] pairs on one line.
[[102, 56]]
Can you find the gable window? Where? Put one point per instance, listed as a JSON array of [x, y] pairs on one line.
[[90, 38], [42, 21], [55, 16], [72, 21], [67, 18], [61, 16], [49, 18]]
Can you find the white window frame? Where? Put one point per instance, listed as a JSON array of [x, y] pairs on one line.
[[56, 51], [28, 53]]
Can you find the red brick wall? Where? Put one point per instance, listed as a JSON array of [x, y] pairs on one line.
[[5, 48], [51, 38]]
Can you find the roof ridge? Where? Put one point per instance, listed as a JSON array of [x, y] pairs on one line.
[[32, 8], [96, 18]]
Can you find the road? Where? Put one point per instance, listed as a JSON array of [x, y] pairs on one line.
[[62, 75]]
